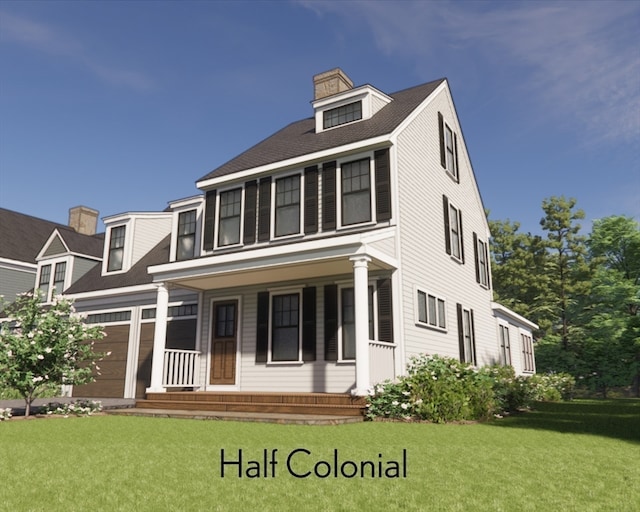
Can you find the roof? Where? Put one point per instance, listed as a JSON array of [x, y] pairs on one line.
[[137, 275], [91, 245], [13, 228], [299, 138]]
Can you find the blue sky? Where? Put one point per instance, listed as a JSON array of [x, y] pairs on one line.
[[122, 106]]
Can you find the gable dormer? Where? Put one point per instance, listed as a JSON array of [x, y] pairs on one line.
[[337, 103], [186, 228], [129, 236]]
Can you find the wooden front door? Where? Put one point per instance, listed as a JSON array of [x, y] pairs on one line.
[[223, 342]]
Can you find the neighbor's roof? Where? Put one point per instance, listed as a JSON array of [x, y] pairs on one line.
[[22, 236], [137, 275], [299, 138], [91, 245]]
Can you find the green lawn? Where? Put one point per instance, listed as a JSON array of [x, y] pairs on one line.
[[583, 455]]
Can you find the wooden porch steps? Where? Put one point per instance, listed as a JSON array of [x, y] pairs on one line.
[[330, 404]]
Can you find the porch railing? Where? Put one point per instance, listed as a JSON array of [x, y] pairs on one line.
[[180, 368], [381, 361]]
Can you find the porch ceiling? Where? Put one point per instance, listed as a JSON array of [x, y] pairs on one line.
[[258, 267]]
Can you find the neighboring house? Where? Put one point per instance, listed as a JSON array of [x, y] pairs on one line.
[[318, 261], [27, 240]]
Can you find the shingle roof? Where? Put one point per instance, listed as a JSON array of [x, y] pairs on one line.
[[137, 275], [22, 236], [299, 138], [90, 245]]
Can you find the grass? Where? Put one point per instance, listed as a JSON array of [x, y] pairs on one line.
[[583, 455]]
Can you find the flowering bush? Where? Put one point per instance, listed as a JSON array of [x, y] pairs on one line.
[[552, 387], [510, 392], [78, 408], [5, 413], [42, 345]]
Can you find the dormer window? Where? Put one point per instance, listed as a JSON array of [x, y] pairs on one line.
[[186, 235], [342, 115], [116, 249], [43, 285], [58, 277]]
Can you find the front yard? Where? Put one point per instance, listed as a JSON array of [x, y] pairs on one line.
[[582, 455]]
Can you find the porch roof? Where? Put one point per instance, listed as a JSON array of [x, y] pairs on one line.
[[268, 265]]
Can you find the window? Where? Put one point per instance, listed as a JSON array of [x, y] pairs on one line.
[[186, 235], [348, 317], [58, 277], [466, 335], [527, 353], [287, 206], [482, 261], [342, 115], [172, 311], [285, 333], [431, 310], [448, 148], [453, 230], [43, 285], [230, 208], [505, 345], [105, 318], [116, 249], [356, 192]]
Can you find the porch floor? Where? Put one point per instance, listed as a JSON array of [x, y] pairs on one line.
[[308, 408]]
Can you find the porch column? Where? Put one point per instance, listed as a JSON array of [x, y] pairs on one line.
[[361, 298], [159, 339]]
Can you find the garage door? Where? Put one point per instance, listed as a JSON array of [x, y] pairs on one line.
[[110, 382]]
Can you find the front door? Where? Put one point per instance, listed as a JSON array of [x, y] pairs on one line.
[[223, 342]]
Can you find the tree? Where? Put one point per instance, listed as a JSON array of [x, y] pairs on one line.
[[43, 344], [567, 260]]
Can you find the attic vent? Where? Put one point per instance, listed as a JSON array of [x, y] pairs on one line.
[[330, 83]]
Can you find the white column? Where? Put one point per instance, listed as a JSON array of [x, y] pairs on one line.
[[361, 298], [159, 339]]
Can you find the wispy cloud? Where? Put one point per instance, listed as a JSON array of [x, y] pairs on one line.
[[578, 60], [48, 39]]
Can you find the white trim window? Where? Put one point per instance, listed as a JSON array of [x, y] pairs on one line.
[[288, 192], [342, 115], [286, 322], [52, 284], [44, 282], [356, 192], [115, 261], [450, 151], [455, 233], [528, 361], [186, 236], [482, 261], [431, 310], [505, 345], [229, 217]]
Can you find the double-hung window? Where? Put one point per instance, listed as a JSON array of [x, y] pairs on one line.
[[482, 263], [356, 192], [505, 345], [287, 206], [448, 148], [431, 310], [450, 151], [229, 222], [285, 331], [116, 249], [527, 353], [454, 226], [348, 322], [466, 335], [186, 235], [58, 277], [45, 278]]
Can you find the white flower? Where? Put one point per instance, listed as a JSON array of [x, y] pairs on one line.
[[404, 406], [395, 402], [406, 393], [37, 379], [418, 401], [48, 350], [41, 357], [10, 354]]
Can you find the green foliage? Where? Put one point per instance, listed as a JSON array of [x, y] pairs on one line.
[[5, 413], [45, 345], [75, 408], [551, 387]]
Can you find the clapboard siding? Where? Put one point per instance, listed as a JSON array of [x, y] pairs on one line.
[[147, 233], [15, 282], [80, 267], [421, 183]]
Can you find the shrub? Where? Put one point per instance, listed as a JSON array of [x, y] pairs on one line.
[[78, 408], [5, 413], [511, 393], [552, 387]]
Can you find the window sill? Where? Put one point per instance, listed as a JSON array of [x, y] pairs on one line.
[[453, 177], [431, 327], [285, 363], [346, 362], [456, 259]]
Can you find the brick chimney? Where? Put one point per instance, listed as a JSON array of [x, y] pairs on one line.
[[83, 219], [330, 83]]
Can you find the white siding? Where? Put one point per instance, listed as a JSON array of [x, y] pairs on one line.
[[424, 262], [147, 233]]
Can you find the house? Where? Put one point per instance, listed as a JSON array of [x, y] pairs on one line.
[[27, 240], [316, 263]]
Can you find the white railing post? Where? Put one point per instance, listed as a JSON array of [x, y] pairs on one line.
[[180, 368]]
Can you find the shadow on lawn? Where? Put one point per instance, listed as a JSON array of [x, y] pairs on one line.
[[619, 418]]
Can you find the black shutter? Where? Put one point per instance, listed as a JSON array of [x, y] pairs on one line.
[[250, 205], [385, 311], [329, 196], [309, 324], [311, 200], [460, 331], [443, 156], [461, 235], [331, 322], [475, 256], [447, 226], [383, 185], [455, 152], [209, 220], [473, 338], [264, 212], [262, 330]]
